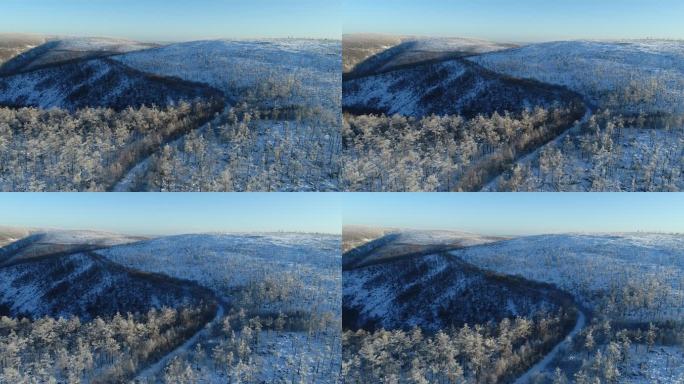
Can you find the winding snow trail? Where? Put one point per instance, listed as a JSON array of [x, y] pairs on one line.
[[543, 363], [151, 371], [492, 185], [131, 178]]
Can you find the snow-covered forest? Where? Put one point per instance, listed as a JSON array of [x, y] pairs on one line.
[[91, 307], [269, 117], [434, 153], [607, 153], [105, 350], [627, 137], [282, 317], [54, 150], [479, 353], [598, 308]]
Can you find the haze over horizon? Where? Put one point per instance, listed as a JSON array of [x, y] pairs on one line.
[[516, 214], [520, 21], [173, 213]]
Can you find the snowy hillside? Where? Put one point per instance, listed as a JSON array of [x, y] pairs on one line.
[[299, 71], [9, 235], [13, 44], [59, 50], [358, 47], [627, 76], [271, 278], [447, 88], [96, 83], [44, 242], [415, 50], [436, 292], [399, 243], [356, 235], [630, 276], [86, 286], [306, 265]]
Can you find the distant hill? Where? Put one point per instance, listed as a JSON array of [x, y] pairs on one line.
[[96, 83], [272, 72], [9, 235], [411, 50], [39, 243], [436, 292], [59, 50], [354, 236], [401, 243], [305, 268], [356, 48], [14, 44], [87, 286], [449, 87], [631, 77], [633, 277]]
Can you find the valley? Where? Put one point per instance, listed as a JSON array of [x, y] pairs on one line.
[[450, 114], [451, 306], [202, 308], [214, 115]]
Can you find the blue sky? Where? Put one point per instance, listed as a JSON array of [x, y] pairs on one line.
[[173, 20], [518, 20], [174, 213], [518, 213]]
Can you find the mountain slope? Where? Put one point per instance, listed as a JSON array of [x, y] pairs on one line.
[[438, 291], [630, 276], [13, 44], [358, 47], [629, 76], [69, 49], [96, 83], [419, 50], [9, 235], [402, 243], [449, 87], [277, 72], [43, 243], [87, 286], [297, 270]]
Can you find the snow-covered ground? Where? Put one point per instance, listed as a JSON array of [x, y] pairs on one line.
[[661, 365], [266, 160], [235, 65], [400, 242], [630, 276], [308, 265], [630, 76], [301, 270], [62, 49], [95, 44], [639, 159], [384, 92], [44, 242]]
